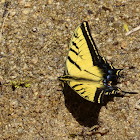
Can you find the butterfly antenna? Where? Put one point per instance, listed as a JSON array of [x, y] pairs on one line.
[[129, 92], [125, 92]]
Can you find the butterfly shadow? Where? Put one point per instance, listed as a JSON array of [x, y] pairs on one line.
[[85, 112]]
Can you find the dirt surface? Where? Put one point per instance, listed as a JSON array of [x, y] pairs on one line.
[[34, 38]]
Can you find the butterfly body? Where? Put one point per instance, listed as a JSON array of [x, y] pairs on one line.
[[88, 73]]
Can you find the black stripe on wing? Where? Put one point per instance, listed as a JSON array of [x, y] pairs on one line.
[[80, 90], [98, 98], [90, 42], [76, 85], [74, 63], [74, 44], [73, 51]]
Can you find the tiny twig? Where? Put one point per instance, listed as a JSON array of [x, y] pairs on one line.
[[133, 30], [4, 16]]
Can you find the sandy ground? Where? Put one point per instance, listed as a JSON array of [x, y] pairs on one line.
[[34, 38]]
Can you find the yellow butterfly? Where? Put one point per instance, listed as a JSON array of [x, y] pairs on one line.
[[88, 73]]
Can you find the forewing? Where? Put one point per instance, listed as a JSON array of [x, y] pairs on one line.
[[83, 56]]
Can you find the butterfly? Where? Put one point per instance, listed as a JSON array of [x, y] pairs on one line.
[[87, 72]]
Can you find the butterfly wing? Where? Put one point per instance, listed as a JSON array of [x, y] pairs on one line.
[[88, 89], [83, 55], [86, 71]]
